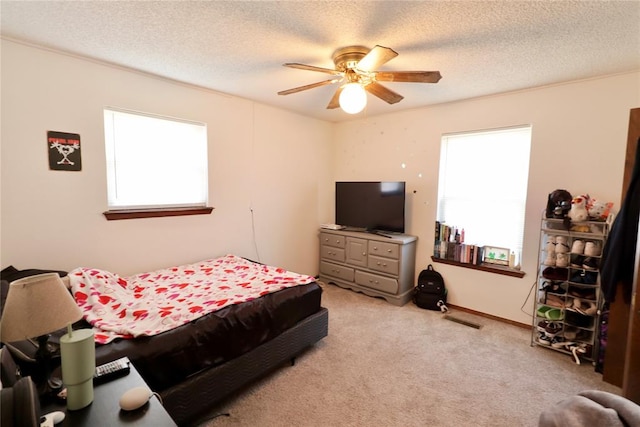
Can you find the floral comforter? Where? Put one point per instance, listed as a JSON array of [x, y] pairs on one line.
[[155, 302]]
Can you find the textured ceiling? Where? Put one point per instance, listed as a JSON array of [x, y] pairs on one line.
[[238, 47]]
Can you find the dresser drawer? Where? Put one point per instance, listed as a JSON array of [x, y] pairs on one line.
[[385, 284], [386, 265], [388, 250], [333, 253], [332, 240], [337, 271]]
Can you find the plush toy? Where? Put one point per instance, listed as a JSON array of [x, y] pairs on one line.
[[598, 211], [558, 204], [578, 211]]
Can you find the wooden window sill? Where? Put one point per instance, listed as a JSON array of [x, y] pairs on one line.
[[489, 268], [153, 213]]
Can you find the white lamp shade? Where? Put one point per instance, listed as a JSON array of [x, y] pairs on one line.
[[353, 98], [35, 306]]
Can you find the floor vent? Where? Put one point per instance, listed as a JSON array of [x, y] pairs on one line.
[[462, 322]]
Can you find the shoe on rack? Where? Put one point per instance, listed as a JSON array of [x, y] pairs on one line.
[[560, 342], [553, 287], [590, 278], [542, 325], [554, 314], [584, 293], [552, 329], [577, 247], [550, 260], [592, 249], [562, 247], [576, 261], [554, 301], [542, 311], [543, 339], [562, 260], [577, 277], [570, 333], [551, 244], [589, 263]]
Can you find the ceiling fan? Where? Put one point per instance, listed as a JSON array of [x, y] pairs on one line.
[[355, 67]]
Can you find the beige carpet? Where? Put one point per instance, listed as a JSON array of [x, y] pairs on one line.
[[383, 365]]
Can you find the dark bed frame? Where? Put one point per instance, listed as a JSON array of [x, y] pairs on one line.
[[196, 396]]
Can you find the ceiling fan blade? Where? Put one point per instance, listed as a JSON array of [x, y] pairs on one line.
[[305, 87], [383, 93], [376, 57], [311, 68], [409, 76], [335, 101]]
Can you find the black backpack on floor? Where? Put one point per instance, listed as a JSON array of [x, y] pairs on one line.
[[430, 293]]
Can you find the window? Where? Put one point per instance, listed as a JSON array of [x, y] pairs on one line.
[[154, 162], [483, 185]]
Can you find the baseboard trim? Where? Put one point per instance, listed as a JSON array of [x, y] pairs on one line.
[[489, 316]]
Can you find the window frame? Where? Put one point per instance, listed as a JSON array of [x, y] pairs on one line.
[[149, 211], [441, 190]]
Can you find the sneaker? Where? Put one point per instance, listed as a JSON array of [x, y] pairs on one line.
[[562, 260], [551, 244], [553, 287], [576, 261], [552, 329], [550, 260], [542, 326], [560, 342], [561, 245], [592, 249], [589, 263], [543, 339], [577, 247]]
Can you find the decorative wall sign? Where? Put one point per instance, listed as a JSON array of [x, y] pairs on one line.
[[64, 151]]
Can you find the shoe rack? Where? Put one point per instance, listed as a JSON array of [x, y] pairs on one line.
[[568, 298]]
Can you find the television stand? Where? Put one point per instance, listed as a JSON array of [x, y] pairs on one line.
[[374, 264]]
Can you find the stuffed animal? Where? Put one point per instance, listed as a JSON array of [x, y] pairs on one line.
[[578, 211], [598, 211], [558, 204]]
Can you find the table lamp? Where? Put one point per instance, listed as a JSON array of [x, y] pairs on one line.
[[35, 307]]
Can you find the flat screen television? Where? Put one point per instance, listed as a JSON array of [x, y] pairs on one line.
[[371, 206]]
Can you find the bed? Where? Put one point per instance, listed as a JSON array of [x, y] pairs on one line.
[[207, 358]]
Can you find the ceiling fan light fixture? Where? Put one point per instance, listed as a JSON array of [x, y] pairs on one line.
[[353, 98]]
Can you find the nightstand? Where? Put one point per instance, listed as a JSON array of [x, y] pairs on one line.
[[105, 409]]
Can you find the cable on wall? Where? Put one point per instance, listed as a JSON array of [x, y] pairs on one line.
[[253, 157]]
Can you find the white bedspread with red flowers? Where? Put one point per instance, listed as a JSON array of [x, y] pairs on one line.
[[155, 302]]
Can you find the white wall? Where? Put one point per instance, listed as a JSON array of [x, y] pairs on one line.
[[579, 136], [261, 159]]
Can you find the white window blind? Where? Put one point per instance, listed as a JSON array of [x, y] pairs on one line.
[[154, 162], [483, 185]]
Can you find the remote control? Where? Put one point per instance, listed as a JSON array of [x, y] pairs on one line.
[[111, 370]]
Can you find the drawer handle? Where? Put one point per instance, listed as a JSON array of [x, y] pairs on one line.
[[389, 250], [373, 281], [382, 264], [375, 248], [364, 253]]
